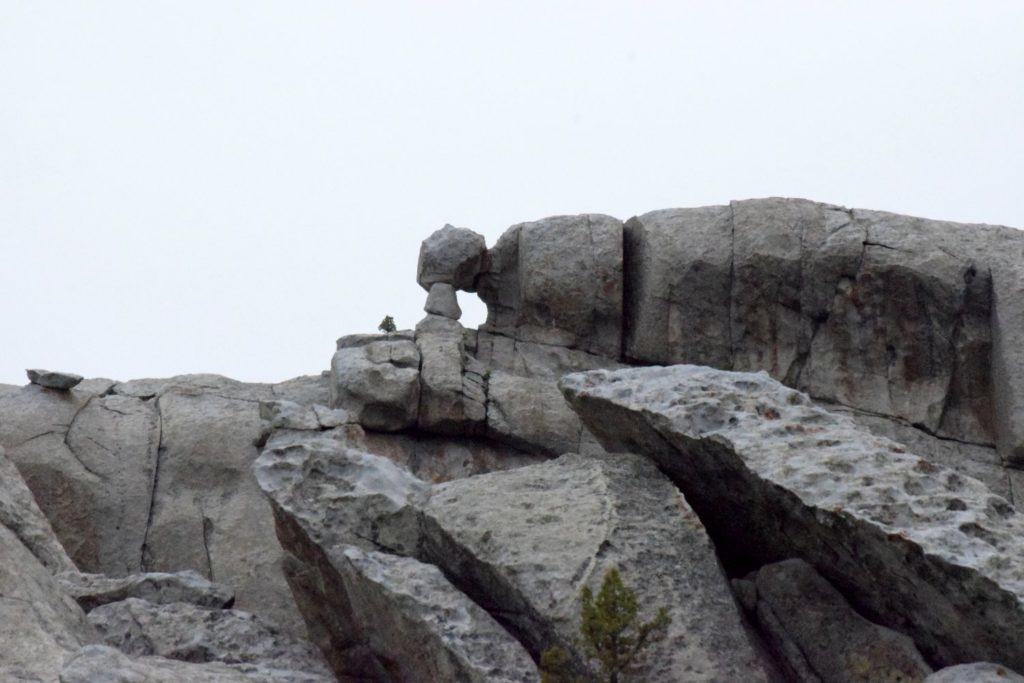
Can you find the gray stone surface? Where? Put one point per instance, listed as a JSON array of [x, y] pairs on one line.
[[377, 383], [195, 634], [341, 495], [439, 458], [289, 415], [677, 298], [452, 394], [20, 514], [451, 255], [104, 664], [93, 590], [39, 625], [442, 300], [523, 543], [530, 414], [825, 635], [89, 461], [558, 281], [61, 381], [372, 614], [385, 617], [977, 672], [915, 546]]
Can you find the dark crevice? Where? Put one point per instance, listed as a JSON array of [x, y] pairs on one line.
[[144, 551]]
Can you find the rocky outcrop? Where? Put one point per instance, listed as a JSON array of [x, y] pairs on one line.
[[159, 588], [818, 636], [520, 543], [195, 634], [909, 542], [154, 475], [523, 544]]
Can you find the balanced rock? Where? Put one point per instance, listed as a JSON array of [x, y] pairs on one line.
[[61, 381], [451, 256], [161, 588], [773, 476]]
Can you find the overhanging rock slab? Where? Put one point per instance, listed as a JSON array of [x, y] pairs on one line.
[[917, 547]]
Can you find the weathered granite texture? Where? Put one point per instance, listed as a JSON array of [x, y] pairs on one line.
[[93, 590], [918, 547]]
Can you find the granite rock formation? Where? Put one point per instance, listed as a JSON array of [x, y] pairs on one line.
[[834, 483]]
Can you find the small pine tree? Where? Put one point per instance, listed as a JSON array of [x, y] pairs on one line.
[[554, 662], [611, 632], [387, 325]]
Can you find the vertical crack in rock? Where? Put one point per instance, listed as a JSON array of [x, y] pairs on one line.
[[207, 534], [71, 449], [732, 286], [144, 552]]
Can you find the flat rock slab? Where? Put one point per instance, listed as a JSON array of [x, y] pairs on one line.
[[62, 381], [915, 546], [977, 672], [162, 588]]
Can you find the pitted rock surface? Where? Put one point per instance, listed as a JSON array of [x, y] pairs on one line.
[[195, 634], [910, 542], [523, 543]]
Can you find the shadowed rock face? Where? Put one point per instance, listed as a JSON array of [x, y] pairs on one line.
[[919, 547]]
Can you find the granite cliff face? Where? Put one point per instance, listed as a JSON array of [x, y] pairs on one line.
[[821, 487]]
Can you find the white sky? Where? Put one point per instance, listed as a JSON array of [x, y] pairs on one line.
[[229, 186]]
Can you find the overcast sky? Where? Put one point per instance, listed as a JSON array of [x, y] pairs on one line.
[[229, 186]]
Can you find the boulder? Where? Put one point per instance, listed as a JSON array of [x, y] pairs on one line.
[[194, 634], [806, 618], [377, 382], [442, 300], [340, 494], [104, 664], [160, 588], [915, 546], [40, 625], [977, 672], [61, 381], [541, 286], [523, 543], [451, 256], [679, 264], [20, 514], [373, 614]]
